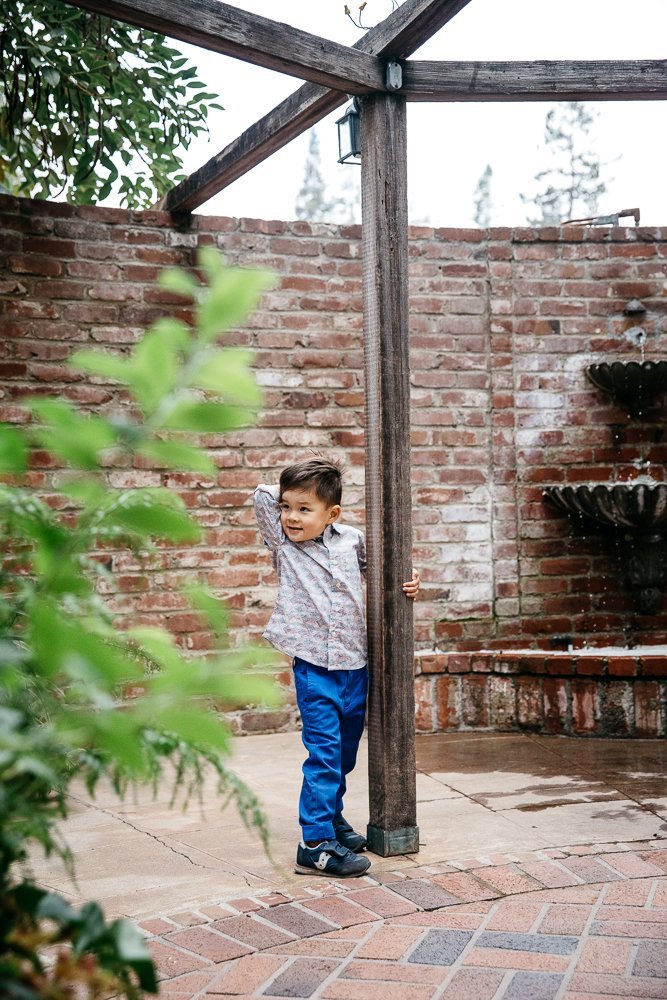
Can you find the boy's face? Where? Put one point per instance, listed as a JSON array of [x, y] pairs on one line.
[[304, 516]]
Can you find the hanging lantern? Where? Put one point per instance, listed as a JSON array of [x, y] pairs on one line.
[[349, 134]]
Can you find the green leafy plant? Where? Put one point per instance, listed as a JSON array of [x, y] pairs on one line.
[[89, 105], [64, 667]]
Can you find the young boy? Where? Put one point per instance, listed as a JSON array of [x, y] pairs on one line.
[[319, 621]]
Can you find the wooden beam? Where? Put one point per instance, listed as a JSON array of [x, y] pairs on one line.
[[407, 28], [308, 105], [392, 827], [398, 36], [536, 81], [259, 40]]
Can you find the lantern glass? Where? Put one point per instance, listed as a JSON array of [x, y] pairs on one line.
[[349, 135]]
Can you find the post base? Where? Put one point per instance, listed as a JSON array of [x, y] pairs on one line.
[[387, 843]]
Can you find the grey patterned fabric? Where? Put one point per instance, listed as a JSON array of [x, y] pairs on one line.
[[319, 613]]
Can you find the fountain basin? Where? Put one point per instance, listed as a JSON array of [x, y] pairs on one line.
[[633, 384], [639, 507], [636, 513]]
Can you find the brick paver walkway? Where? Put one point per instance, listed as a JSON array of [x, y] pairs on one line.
[[584, 923]]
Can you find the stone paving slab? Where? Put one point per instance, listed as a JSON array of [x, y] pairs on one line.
[[495, 928]]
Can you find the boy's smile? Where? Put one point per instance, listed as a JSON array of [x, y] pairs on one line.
[[304, 516]]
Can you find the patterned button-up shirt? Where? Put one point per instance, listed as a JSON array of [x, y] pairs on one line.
[[319, 614]]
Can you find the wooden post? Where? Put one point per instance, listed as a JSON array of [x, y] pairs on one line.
[[391, 727]]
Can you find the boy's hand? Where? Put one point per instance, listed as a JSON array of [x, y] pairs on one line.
[[411, 588]]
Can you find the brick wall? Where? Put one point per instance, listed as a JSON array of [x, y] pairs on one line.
[[503, 324]]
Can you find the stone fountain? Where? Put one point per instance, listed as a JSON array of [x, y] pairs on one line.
[[636, 514], [635, 385]]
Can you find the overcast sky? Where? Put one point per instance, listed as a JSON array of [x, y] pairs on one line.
[[451, 144]]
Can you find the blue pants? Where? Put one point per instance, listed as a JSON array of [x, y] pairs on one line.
[[332, 705]]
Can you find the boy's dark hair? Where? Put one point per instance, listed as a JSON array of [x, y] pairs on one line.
[[324, 478]]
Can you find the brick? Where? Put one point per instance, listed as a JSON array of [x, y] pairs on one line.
[[585, 708], [171, 962], [549, 873], [596, 983], [608, 955], [340, 911], [454, 918], [590, 870], [565, 919], [296, 921], [247, 975], [465, 887], [507, 879], [651, 960], [515, 915], [249, 931], [389, 942], [349, 990], [188, 919], [207, 943], [190, 984], [647, 708], [389, 972], [440, 947], [424, 894], [631, 865], [482, 984], [530, 961], [322, 946], [631, 893], [630, 928], [301, 978], [156, 926], [530, 985], [547, 944], [382, 902]]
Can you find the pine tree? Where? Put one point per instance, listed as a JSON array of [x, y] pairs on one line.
[[312, 202], [572, 186], [483, 201]]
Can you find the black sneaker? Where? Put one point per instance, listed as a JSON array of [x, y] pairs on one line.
[[329, 858], [348, 837]]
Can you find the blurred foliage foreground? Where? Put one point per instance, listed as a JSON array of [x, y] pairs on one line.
[[63, 664]]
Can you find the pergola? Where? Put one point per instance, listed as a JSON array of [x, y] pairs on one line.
[[378, 70]]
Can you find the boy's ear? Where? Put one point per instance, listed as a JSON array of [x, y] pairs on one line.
[[334, 512]]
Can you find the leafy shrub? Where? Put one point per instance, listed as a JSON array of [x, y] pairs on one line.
[[63, 664]]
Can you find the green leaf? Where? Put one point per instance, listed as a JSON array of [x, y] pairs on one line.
[[130, 948], [197, 726], [99, 363], [207, 416], [13, 450], [175, 280], [174, 332], [232, 294], [177, 455], [54, 907], [153, 370], [159, 645], [73, 436], [209, 605], [153, 513], [50, 75], [63, 646], [228, 373]]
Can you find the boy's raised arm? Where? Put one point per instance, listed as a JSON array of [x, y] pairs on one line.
[[267, 512]]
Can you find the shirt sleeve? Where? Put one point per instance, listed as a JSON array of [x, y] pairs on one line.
[[361, 555], [267, 513]]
